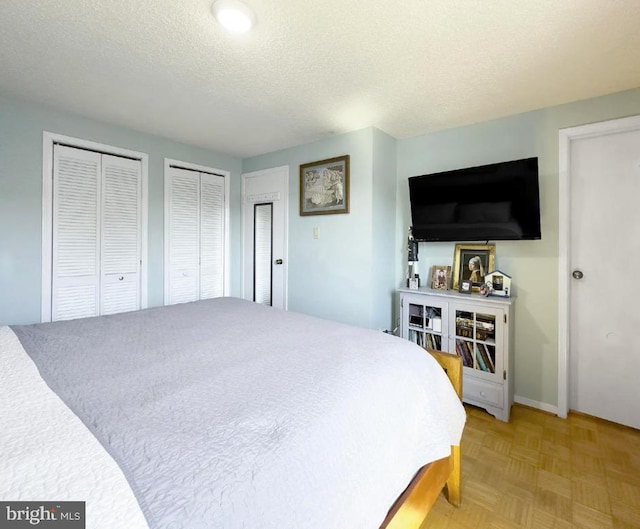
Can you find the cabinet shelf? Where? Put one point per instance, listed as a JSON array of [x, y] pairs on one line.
[[424, 329], [488, 341]]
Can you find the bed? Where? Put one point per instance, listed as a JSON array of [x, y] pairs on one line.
[[227, 414]]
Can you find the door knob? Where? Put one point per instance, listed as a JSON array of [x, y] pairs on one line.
[[278, 261], [577, 274]]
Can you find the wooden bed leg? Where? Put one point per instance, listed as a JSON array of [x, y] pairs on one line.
[[454, 483]]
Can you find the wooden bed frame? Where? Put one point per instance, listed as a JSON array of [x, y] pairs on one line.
[[412, 507]]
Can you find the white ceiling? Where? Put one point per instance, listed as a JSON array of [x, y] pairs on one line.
[[312, 69]]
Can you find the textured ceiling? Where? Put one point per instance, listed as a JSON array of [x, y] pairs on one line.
[[312, 69]]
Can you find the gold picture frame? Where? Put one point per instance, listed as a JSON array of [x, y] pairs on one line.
[[472, 262], [324, 186], [440, 277]]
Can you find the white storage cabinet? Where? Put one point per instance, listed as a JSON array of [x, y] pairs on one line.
[[477, 328]]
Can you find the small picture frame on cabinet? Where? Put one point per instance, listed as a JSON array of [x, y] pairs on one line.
[[440, 277], [465, 286]]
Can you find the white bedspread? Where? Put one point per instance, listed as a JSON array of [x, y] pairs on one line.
[[265, 420], [47, 454]]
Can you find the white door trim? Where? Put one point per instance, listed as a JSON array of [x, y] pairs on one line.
[[285, 201], [564, 240], [168, 162], [48, 141]]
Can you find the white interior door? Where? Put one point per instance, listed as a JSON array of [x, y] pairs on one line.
[[265, 213], [604, 355]]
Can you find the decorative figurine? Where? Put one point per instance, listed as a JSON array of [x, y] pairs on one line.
[[413, 279]]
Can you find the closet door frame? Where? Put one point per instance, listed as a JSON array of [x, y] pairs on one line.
[[49, 139], [168, 163]]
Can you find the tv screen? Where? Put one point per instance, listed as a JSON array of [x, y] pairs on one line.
[[500, 201]]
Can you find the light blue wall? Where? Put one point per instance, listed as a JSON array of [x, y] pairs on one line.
[[332, 276], [21, 127], [532, 264], [384, 259]]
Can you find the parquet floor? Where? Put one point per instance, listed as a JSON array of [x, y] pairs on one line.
[[542, 472]]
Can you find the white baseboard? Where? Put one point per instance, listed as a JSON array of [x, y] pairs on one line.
[[536, 404]]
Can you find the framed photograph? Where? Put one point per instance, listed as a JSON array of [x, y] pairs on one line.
[[465, 286], [472, 262], [324, 186], [440, 276]]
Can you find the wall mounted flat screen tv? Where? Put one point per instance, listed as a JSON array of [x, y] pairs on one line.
[[500, 201]]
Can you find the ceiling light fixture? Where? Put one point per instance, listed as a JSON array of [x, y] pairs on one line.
[[234, 15]]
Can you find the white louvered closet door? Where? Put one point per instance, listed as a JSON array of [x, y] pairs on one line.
[[76, 228], [121, 234], [211, 236], [184, 235], [97, 234]]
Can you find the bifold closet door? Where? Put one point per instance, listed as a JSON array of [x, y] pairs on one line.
[[76, 228], [195, 214], [121, 234], [184, 235], [211, 236], [96, 239]]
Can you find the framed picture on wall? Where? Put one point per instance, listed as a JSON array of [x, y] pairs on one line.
[[472, 262], [324, 186]]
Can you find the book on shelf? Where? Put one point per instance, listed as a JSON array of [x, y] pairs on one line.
[[434, 341], [463, 330], [483, 355], [466, 330], [460, 353], [470, 352], [480, 359], [464, 349], [470, 323], [485, 352], [485, 325]]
